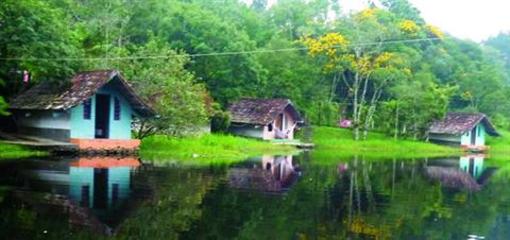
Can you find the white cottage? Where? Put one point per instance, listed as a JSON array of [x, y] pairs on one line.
[[264, 118]]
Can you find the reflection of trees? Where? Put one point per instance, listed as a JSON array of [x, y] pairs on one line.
[[174, 199], [410, 206], [178, 194], [371, 199], [360, 199]]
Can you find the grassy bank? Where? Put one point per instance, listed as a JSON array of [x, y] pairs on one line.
[[9, 151], [335, 142], [208, 148], [499, 146]]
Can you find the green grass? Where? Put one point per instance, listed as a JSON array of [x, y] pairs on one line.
[[499, 146], [9, 151], [334, 143], [209, 148]]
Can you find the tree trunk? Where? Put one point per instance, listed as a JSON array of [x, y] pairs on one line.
[[395, 136], [355, 120], [371, 111]]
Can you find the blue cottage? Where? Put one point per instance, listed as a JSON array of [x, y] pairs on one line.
[[467, 130], [94, 111]]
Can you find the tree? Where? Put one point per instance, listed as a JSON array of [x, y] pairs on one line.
[[414, 105], [501, 42], [32, 34], [180, 102], [3, 107], [366, 69]]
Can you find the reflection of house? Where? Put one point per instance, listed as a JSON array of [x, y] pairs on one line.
[[95, 185], [264, 118], [472, 164], [94, 110], [93, 189], [465, 129], [466, 173], [274, 174]]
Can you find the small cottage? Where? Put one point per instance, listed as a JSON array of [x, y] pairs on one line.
[[93, 111], [264, 118], [467, 130]]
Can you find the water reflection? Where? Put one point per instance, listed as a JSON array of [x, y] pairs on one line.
[[91, 191], [270, 197], [467, 172], [101, 183], [267, 174]]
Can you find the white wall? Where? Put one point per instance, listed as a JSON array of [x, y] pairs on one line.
[[43, 119]]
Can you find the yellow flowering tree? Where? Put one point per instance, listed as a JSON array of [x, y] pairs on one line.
[[434, 31], [361, 62], [409, 27]]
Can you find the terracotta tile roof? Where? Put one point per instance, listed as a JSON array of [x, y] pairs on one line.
[[459, 123], [82, 86], [260, 111]]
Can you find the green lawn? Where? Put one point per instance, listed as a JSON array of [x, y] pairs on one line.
[[207, 148], [9, 151], [499, 146], [336, 142]]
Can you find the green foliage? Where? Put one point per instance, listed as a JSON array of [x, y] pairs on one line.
[[501, 43], [166, 85], [3, 107], [36, 29], [220, 121], [415, 104], [324, 113], [418, 78]]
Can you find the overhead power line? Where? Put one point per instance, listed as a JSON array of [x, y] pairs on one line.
[[211, 54]]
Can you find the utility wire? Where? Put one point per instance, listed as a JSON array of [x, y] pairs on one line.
[[214, 53]]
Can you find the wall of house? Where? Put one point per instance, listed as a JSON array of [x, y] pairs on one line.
[[119, 129], [447, 139], [119, 178], [81, 177], [480, 136], [268, 135], [247, 130], [287, 126], [472, 165], [50, 124]]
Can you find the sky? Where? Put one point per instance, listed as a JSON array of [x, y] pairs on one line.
[[476, 20]]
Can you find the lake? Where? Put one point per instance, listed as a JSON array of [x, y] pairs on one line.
[[267, 197]]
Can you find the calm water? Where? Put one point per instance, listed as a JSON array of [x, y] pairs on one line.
[[270, 197]]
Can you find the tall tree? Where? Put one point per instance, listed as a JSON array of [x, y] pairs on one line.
[[35, 36]]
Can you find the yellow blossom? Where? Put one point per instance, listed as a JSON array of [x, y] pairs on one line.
[[383, 59], [435, 31], [409, 26], [367, 13]]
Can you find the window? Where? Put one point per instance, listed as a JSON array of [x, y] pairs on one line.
[[116, 109], [85, 191], [115, 193], [87, 105], [270, 127]]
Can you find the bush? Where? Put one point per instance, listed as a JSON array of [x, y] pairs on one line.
[[220, 121]]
